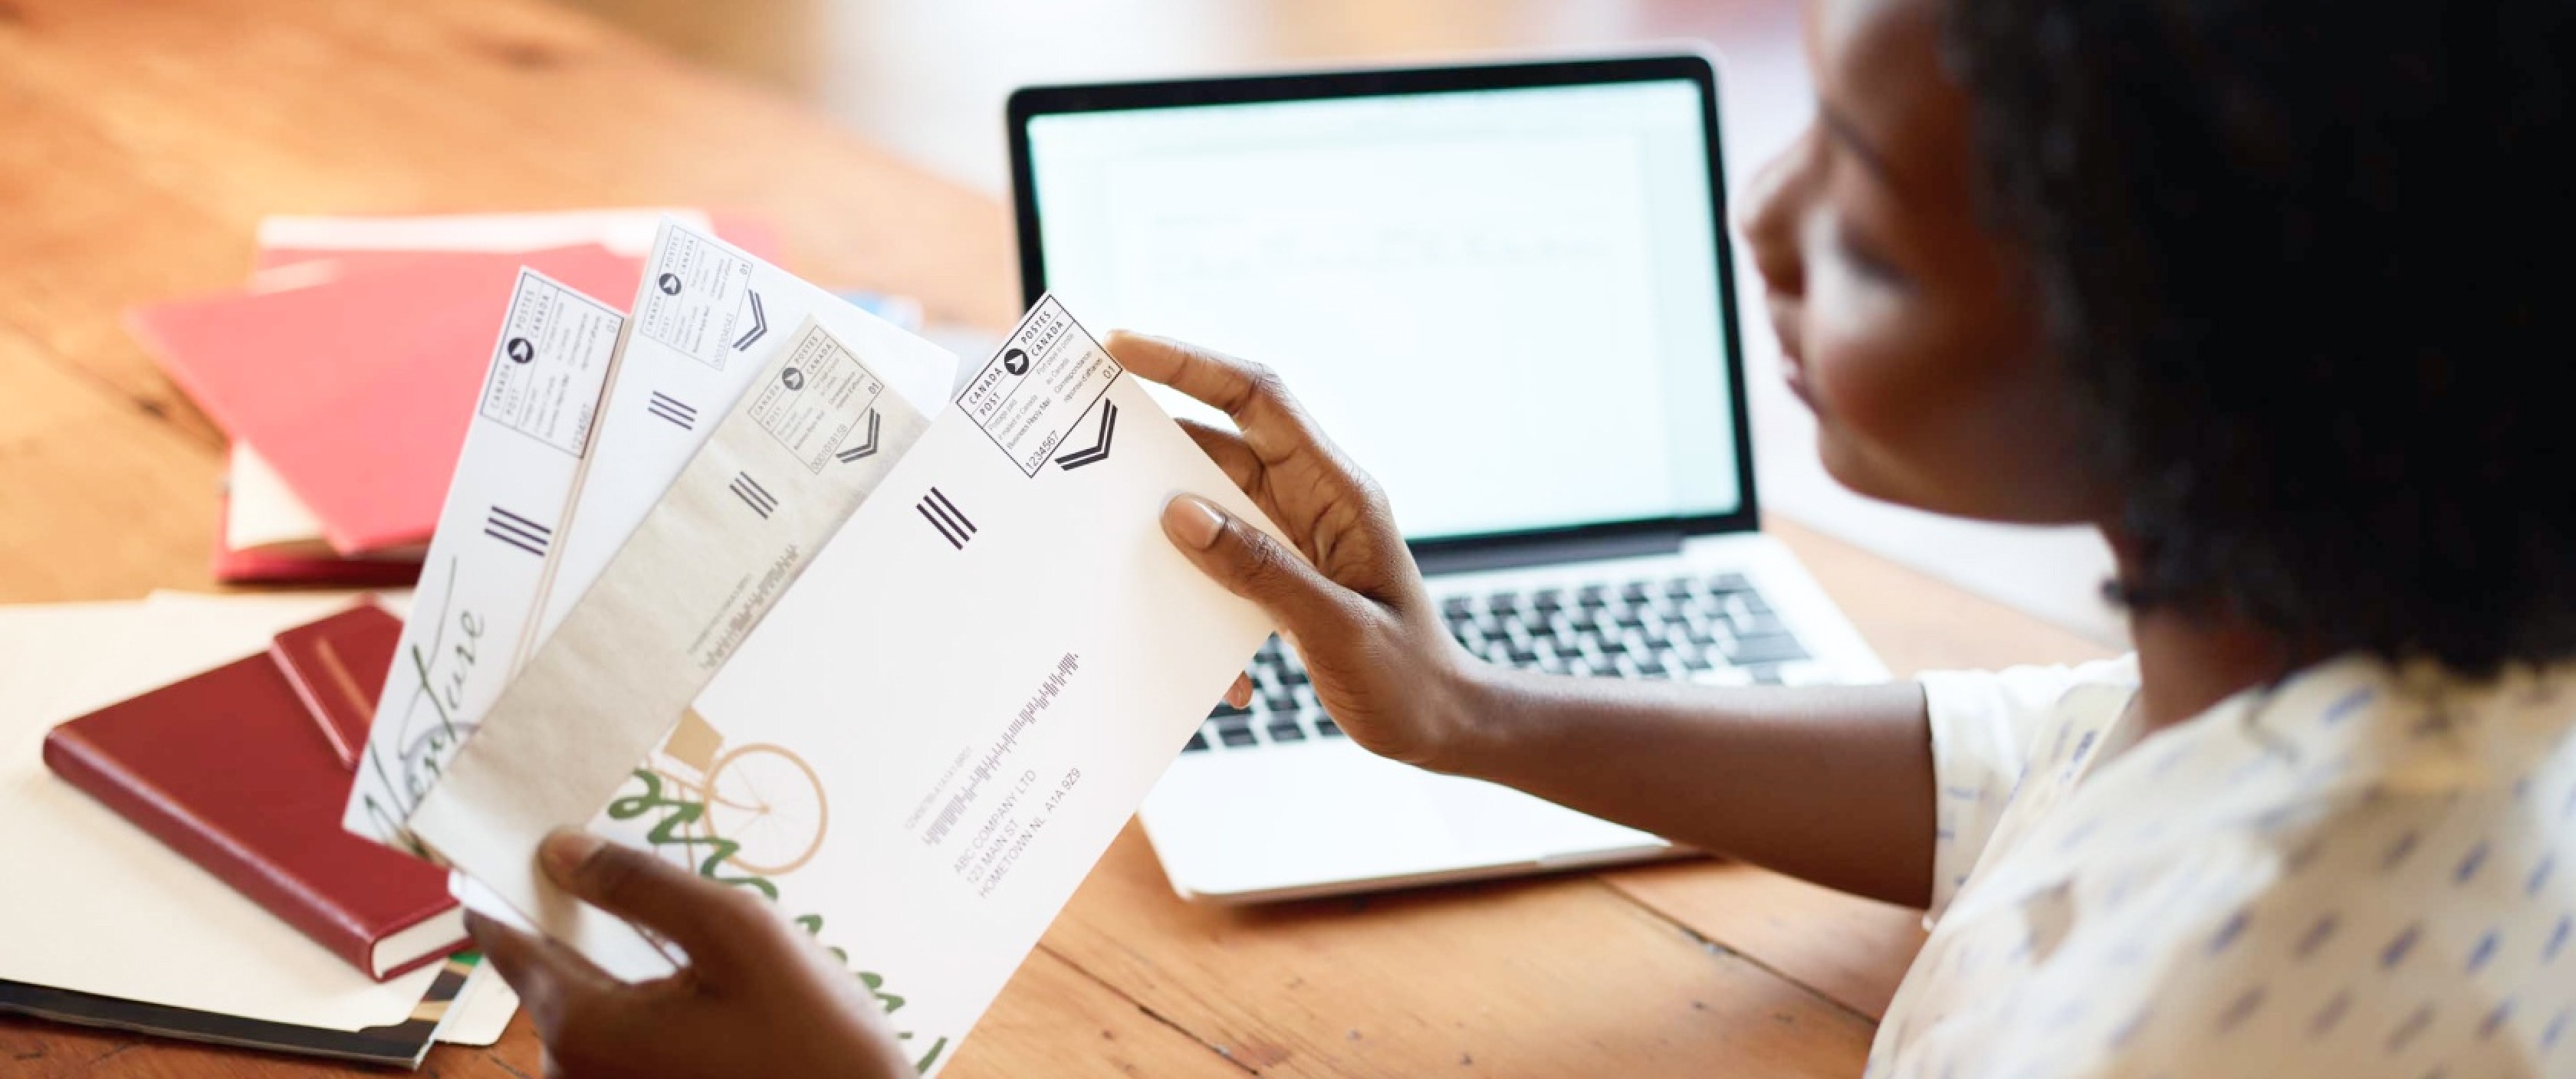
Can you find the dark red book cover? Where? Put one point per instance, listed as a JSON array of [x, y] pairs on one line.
[[337, 666], [229, 769]]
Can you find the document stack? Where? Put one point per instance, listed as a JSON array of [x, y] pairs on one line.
[[747, 577], [343, 370]]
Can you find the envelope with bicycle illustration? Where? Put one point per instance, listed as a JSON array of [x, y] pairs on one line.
[[936, 731]]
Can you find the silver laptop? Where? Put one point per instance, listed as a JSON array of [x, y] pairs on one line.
[[1505, 290]]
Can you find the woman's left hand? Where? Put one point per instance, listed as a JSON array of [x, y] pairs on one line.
[[759, 997]]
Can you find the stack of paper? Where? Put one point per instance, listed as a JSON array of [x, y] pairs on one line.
[[111, 927], [344, 369], [789, 617]]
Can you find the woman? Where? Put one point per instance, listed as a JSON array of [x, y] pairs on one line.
[[2241, 283]]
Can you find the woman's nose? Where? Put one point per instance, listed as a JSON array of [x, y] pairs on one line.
[[1768, 215]]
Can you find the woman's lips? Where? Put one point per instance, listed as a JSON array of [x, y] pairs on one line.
[[1793, 372]]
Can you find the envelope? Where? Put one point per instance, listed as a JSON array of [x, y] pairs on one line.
[[924, 747]]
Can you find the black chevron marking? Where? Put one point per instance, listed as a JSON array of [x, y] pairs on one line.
[[759, 324], [866, 448], [1099, 450]]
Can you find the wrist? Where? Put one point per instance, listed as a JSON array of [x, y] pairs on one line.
[[1476, 719]]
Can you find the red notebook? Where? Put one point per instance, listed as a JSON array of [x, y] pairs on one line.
[[358, 389], [229, 769], [337, 667]]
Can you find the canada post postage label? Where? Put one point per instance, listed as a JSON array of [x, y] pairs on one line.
[[708, 317], [931, 739], [815, 436], [498, 531]]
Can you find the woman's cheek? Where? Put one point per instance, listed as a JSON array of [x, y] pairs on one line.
[[1855, 349]]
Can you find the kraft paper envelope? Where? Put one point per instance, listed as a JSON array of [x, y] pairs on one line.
[[932, 737]]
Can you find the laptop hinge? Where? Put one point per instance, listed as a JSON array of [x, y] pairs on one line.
[[1545, 551]]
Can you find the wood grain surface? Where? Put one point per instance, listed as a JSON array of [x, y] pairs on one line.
[[142, 140]]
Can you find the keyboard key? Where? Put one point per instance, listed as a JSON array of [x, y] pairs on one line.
[[1227, 711], [1592, 597], [1286, 730], [1237, 737], [1293, 676], [1729, 582], [1503, 601], [1765, 675], [1280, 702], [1198, 743], [1634, 593], [1325, 726], [1681, 588], [1768, 648], [1548, 600]]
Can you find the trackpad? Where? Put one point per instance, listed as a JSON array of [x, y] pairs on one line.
[[1498, 824]]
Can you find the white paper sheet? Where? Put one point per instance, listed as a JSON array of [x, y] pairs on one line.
[[106, 908]]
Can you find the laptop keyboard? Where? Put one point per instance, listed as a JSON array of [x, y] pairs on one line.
[[1715, 629]]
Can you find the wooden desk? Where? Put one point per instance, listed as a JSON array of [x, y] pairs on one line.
[[140, 141]]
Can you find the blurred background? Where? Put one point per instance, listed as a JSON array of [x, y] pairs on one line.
[[926, 79]]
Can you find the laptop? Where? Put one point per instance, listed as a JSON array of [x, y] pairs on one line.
[[1506, 291]]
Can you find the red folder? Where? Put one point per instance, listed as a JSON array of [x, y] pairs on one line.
[[359, 389], [229, 769]]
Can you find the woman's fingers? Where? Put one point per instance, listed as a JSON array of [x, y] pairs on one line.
[[1225, 448], [549, 978], [1240, 693], [720, 926], [1251, 564], [1248, 393]]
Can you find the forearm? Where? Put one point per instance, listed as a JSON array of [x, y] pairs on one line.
[[1831, 784]]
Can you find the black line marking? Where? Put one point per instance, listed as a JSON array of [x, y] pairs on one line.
[[923, 507], [525, 524], [674, 410], [953, 511], [1099, 451], [753, 494], [865, 449], [514, 541], [759, 323]]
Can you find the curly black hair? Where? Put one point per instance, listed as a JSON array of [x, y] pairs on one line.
[[2308, 265]]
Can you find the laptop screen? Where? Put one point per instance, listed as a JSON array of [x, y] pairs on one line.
[[1505, 304]]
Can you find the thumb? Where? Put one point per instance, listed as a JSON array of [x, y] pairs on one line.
[[718, 925], [1254, 565]]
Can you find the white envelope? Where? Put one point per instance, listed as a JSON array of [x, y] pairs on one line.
[[935, 734]]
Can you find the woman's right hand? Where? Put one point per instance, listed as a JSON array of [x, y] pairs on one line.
[[1349, 599]]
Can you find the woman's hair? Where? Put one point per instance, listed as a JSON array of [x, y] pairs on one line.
[[2309, 266]]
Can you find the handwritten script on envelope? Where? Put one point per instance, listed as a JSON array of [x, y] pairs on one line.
[[927, 743]]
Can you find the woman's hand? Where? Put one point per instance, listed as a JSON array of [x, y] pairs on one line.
[[758, 997], [1354, 605]]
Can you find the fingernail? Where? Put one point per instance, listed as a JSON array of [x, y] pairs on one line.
[[1192, 521], [563, 852]]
